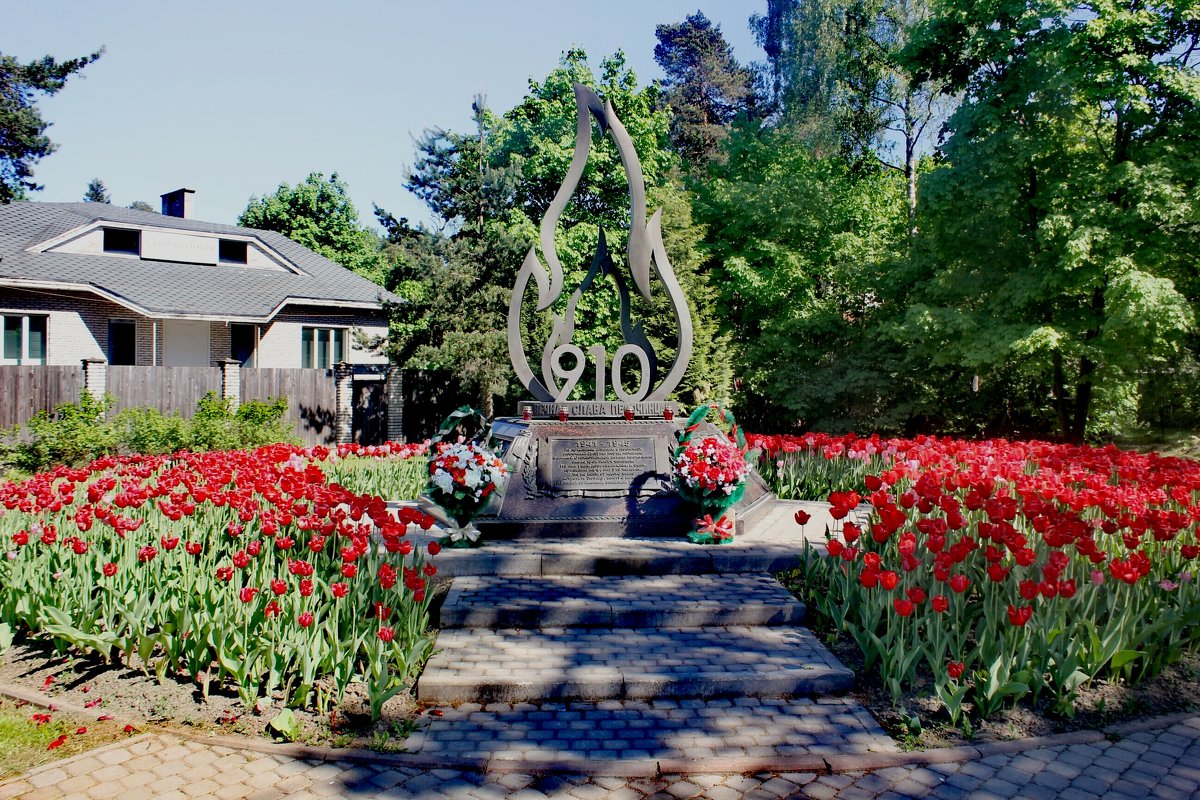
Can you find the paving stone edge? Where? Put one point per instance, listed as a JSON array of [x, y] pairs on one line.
[[828, 763]]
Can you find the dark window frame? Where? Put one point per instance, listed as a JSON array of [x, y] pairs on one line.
[[232, 251], [24, 328], [123, 241], [124, 360], [317, 338]]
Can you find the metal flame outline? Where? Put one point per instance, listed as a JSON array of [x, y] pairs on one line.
[[645, 249]]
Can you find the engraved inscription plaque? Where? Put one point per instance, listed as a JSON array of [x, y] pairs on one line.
[[599, 462]]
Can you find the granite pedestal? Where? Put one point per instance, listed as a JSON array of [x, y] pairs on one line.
[[595, 473]]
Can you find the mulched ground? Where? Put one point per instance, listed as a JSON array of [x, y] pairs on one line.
[[1103, 703], [130, 695]]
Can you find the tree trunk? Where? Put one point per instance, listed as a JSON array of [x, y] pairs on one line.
[[910, 163], [1059, 390], [1083, 400]]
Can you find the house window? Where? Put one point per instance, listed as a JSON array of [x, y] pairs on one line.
[[24, 339], [122, 342], [122, 240], [231, 252], [321, 348], [242, 343]]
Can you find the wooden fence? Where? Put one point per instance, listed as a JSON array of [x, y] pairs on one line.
[[168, 389], [311, 394], [427, 397], [26, 390]]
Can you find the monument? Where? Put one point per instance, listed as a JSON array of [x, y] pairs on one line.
[[598, 467]]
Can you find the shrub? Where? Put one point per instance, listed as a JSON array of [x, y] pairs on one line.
[[76, 433]]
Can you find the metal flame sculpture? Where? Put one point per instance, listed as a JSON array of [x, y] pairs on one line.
[[645, 250]]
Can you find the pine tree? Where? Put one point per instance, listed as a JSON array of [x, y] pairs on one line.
[[96, 192]]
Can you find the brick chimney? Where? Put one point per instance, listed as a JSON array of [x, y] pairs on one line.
[[178, 203]]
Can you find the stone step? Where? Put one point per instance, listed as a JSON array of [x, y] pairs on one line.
[[512, 665], [772, 544], [670, 601], [744, 734]]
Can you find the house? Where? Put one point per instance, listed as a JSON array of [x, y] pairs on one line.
[[94, 281], [157, 309]]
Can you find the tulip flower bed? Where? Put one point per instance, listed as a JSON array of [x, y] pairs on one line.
[[999, 570], [247, 568]]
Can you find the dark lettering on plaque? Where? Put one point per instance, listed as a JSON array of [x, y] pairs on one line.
[[599, 462]]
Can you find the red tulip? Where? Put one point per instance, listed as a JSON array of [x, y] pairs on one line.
[[1019, 616]]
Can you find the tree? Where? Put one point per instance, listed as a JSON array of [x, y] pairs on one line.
[[1056, 238], [96, 192], [23, 139], [801, 251], [705, 86], [319, 215], [881, 107], [489, 190], [841, 82], [142, 205], [803, 42]]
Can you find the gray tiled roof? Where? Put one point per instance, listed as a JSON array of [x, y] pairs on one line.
[[170, 288]]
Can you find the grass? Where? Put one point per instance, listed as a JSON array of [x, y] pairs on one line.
[[24, 744], [1180, 443], [391, 478]]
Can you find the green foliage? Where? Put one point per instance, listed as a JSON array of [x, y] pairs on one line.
[[319, 215], [23, 139], [1056, 237], [393, 478], [96, 192], [706, 88], [76, 433], [801, 251]]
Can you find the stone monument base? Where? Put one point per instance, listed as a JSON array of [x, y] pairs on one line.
[[592, 475]]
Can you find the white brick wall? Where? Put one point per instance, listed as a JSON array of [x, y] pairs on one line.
[[77, 328], [279, 344]]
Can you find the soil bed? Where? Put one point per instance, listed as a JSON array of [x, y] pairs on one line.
[[129, 695], [919, 722]]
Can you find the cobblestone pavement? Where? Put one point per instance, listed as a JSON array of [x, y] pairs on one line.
[[484, 665], [626, 601], [742, 728], [1162, 763], [771, 545]]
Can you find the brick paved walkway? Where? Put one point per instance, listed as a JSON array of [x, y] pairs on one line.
[[1160, 763], [484, 665], [745, 728], [627, 601]]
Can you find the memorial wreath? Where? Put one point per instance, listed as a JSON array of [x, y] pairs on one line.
[[711, 472]]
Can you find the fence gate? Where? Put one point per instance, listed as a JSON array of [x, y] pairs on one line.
[[370, 412]]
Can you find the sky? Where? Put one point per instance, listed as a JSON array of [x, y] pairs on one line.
[[233, 98]]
